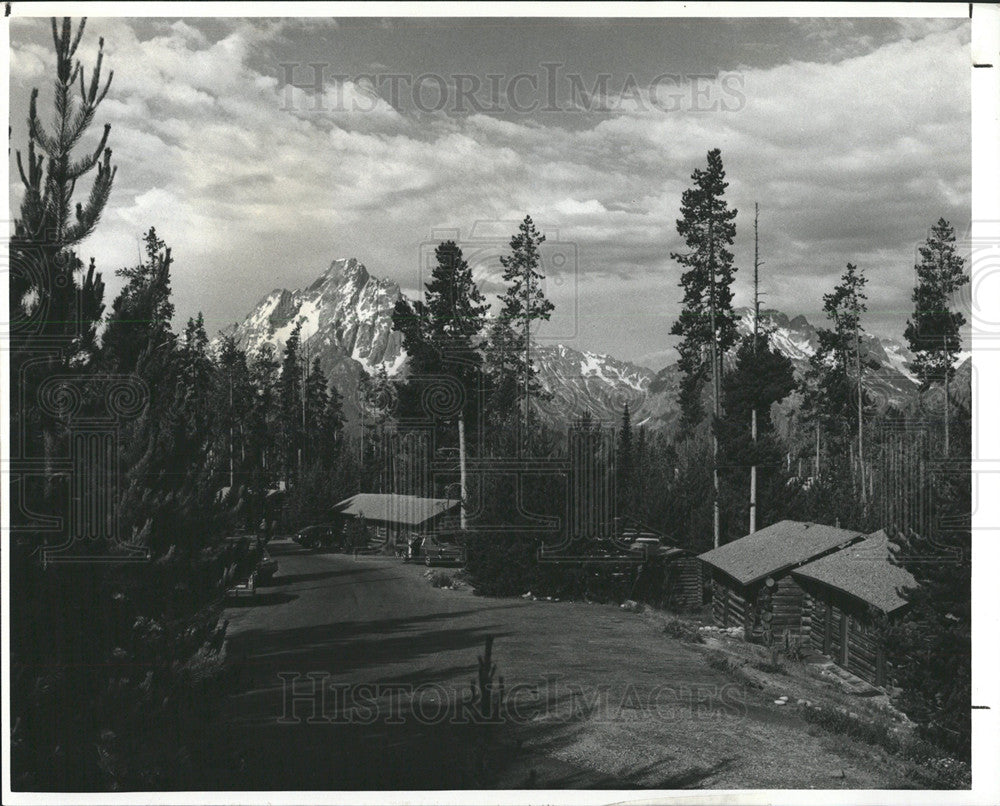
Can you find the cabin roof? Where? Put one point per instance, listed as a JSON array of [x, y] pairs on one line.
[[864, 571], [407, 510], [776, 548]]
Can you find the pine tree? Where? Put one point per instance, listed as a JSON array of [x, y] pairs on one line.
[[931, 646], [170, 467], [443, 337], [934, 331], [291, 403], [234, 395], [514, 376], [140, 315], [625, 463], [54, 304], [197, 376], [378, 399], [317, 400], [707, 322], [833, 386], [264, 453], [443, 334], [332, 432], [761, 376]]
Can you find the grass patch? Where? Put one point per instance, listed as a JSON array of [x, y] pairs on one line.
[[928, 763]]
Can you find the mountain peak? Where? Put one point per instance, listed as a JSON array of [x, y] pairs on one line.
[[342, 271]]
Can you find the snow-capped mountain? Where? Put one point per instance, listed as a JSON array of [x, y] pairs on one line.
[[886, 373], [582, 382], [346, 321]]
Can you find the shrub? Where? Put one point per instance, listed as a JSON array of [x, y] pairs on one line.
[[683, 631], [719, 661], [508, 564], [439, 579], [870, 731], [501, 563]]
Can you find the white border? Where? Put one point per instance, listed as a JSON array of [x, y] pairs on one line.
[[985, 207]]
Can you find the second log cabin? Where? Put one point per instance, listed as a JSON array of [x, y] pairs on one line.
[[752, 584]]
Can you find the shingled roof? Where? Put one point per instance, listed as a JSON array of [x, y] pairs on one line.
[[864, 571], [406, 510], [776, 548]]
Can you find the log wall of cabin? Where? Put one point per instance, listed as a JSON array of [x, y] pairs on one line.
[[730, 605], [843, 630], [687, 583], [786, 607]]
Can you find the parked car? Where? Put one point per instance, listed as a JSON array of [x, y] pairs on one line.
[[318, 536], [441, 550]]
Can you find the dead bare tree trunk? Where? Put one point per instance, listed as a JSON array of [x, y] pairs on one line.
[[861, 421], [947, 399], [715, 392], [753, 410], [461, 468]]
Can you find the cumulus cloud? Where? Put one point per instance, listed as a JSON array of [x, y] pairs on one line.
[[851, 158]]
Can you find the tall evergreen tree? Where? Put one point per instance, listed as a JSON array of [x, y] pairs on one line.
[[139, 320], [317, 401], [197, 376], [443, 334], [265, 456], [833, 386], [761, 376], [291, 403], [931, 646], [707, 323], [934, 331], [234, 396], [514, 376], [170, 466], [625, 464], [332, 432], [56, 304]]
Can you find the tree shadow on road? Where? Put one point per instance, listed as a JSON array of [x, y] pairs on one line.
[[262, 599]]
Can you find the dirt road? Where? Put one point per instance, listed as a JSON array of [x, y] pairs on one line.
[[354, 671]]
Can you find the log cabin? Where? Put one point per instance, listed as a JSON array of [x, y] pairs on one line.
[[397, 519], [752, 585], [851, 596], [682, 583]]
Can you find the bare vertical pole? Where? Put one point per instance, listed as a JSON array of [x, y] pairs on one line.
[[361, 457], [461, 467], [861, 422], [232, 443], [715, 391], [947, 398], [753, 410], [305, 379], [817, 449], [527, 353], [753, 475]]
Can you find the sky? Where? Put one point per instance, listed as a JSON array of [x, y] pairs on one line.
[[853, 136]]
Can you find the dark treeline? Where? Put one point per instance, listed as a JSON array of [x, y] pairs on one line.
[[137, 450]]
